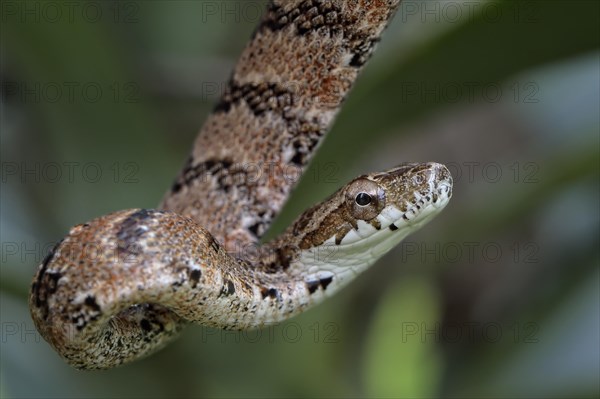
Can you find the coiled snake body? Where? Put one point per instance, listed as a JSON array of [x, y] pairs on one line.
[[120, 286]]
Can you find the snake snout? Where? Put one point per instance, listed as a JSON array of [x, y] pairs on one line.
[[441, 183], [440, 173]]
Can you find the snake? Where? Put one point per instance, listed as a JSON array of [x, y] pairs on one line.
[[123, 285]]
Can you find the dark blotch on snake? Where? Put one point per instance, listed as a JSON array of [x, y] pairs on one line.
[[91, 302], [326, 281], [269, 292], [307, 17], [254, 229], [43, 290], [228, 288], [259, 97], [130, 231], [276, 99], [214, 244], [146, 326], [327, 19], [307, 137], [44, 267], [312, 286], [195, 275], [393, 227], [323, 283], [210, 167]]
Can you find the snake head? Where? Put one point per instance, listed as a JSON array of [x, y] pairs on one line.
[[399, 200], [370, 215]]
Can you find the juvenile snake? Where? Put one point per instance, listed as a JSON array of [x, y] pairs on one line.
[[121, 286]]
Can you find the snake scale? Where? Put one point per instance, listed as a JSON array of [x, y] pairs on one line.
[[122, 285]]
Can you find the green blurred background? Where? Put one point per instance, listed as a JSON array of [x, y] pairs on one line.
[[497, 297]]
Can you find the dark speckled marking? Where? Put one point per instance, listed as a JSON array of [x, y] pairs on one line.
[[53, 278], [323, 283], [86, 312], [228, 288], [283, 258], [130, 231], [91, 302], [43, 290], [214, 244], [187, 169], [79, 321], [274, 98], [195, 275], [307, 17], [192, 173], [260, 97], [375, 223], [145, 325], [312, 286], [254, 229], [44, 266], [304, 144], [269, 292], [161, 326], [326, 18]]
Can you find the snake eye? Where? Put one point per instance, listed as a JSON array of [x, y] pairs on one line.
[[363, 199]]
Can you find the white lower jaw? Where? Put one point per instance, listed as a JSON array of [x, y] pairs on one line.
[[362, 247]]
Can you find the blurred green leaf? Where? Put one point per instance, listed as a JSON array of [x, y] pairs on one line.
[[402, 359]]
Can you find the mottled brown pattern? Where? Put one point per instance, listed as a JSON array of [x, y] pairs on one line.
[[121, 286], [282, 97]]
